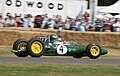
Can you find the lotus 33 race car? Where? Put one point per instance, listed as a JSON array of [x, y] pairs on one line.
[[47, 46]]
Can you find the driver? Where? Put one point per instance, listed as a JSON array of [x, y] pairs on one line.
[[53, 38]]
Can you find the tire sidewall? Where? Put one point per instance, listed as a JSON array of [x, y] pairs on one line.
[[15, 47], [89, 52], [29, 44]]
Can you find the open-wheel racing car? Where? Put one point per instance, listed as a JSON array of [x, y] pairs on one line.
[[48, 46]]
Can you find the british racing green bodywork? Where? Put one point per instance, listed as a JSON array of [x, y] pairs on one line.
[[73, 49], [37, 47]]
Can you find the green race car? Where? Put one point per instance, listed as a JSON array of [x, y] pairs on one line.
[[46, 46]]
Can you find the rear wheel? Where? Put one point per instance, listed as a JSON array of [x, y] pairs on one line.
[[93, 50], [20, 47], [35, 47]]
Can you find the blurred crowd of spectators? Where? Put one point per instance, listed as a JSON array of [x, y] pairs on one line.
[[45, 22]]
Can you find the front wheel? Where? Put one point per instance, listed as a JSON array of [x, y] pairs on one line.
[[35, 47], [93, 50]]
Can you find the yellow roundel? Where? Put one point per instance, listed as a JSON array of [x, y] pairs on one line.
[[36, 47], [95, 50]]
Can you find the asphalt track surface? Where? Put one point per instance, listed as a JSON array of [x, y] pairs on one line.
[[58, 60]]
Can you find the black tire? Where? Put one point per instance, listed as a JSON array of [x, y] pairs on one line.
[[93, 50], [77, 56], [17, 46], [37, 52]]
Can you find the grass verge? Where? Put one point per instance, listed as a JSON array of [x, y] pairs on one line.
[[6, 50], [38, 69]]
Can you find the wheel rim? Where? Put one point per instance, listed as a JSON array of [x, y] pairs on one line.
[[95, 50], [22, 45], [36, 47]]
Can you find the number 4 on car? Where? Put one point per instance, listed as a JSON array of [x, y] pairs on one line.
[[47, 46]]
